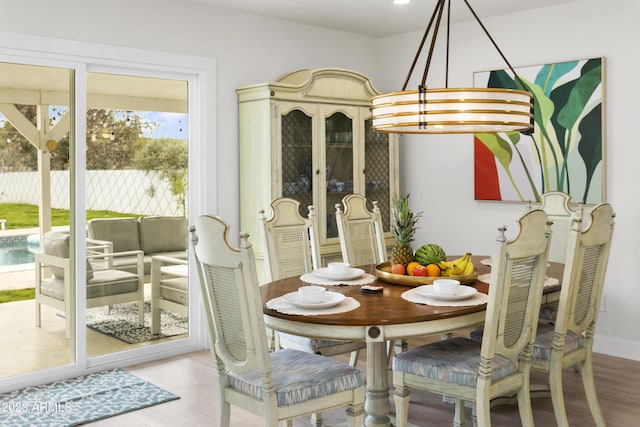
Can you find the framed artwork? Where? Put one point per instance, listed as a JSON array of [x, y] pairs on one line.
[[566, 150]]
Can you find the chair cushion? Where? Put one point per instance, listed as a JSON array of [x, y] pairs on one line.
[[544, 342], [53, 287], [548, 312], [452, 361], [300, 376], [123, 232], [175, 290], [310, 345], [56, 243], [163, 234], [111, 282]]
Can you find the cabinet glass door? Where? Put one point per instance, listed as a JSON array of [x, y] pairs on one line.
[[297, 155], [376, 158], [339, 164]]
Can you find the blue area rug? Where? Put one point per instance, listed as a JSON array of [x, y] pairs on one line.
[[79, 400]]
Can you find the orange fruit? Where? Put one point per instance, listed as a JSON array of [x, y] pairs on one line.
[[411, 266], [433, 270]]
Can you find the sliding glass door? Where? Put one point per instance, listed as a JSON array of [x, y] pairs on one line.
[[137, 209], [36, 212], [94, 267]]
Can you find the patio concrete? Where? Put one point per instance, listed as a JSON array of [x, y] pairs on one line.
[[18, 279]]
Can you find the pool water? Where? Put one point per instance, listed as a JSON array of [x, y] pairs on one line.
[[13, 253]]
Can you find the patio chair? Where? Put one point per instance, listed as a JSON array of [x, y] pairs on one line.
[[279, 385], [169, 288], [291, 249], [360, 231], [468, 370], [570, 340], [104, 286]]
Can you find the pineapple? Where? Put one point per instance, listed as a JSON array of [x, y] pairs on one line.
[[404, 228]]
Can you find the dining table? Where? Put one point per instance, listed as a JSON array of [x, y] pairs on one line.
[[381, 317]]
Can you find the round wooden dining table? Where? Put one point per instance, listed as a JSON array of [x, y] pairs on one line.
[[381, 317]]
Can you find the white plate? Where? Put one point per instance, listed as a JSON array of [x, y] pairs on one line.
[[464, 292], [330, 299], [353, 273]]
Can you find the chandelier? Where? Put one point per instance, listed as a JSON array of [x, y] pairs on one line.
[[452, 110]]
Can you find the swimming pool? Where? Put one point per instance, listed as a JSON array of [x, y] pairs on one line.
[[16, 250]]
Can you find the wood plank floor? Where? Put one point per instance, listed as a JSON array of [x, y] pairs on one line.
[[191, 376]]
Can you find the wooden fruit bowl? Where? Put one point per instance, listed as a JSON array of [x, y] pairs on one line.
[[383, 272]]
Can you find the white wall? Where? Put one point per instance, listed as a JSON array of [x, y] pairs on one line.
[[248, 49], [437, 171]]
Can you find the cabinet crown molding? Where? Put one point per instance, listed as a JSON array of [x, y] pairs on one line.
[[314, 85]]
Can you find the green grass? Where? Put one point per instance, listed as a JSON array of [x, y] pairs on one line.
[[26, 216], [17, 294]]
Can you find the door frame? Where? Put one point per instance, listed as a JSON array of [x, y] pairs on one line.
[[200, 72]]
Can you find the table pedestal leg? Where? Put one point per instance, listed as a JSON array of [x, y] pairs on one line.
[[377, 404]]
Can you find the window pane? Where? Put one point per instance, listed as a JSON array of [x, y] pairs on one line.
[[137, 142]]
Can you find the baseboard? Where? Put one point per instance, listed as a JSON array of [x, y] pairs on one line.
[[616, 347]]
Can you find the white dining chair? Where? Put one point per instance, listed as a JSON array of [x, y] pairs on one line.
[[360, 231], [291, 249], [570, 340], [557, 206], [468, 370], [279, 385]]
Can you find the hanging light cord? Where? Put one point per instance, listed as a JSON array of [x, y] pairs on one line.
[[437, 17]]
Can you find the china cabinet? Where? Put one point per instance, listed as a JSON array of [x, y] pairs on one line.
[[308, 136]]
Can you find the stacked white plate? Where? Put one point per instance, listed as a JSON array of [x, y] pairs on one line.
[[330, 299], [464, 292], [352, 273]]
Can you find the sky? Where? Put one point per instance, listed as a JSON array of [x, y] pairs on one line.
[[170, 125]]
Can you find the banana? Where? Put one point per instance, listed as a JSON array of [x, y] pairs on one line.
[[469, 270], [462, 267], [448, 264], [455, 267], [458, 267], [445, 265]]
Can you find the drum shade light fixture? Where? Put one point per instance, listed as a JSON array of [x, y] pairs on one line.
[[452, 110]]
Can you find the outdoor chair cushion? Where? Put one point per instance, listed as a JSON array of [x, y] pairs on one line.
[[56, 243], [100, 284], [455, 361], [163, 234], [300, 376], [53, 288], [123, 232], [175, 290]]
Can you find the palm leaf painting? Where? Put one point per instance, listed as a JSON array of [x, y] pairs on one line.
[[566, 150]]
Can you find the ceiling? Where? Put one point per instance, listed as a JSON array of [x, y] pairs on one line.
[[377, 18]]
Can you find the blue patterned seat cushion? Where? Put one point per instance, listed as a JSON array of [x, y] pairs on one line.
[[300, 376], [544, 342], [453, 361], [548, 312], [314, 345]]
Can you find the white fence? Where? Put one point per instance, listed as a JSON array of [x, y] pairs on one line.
[[127, 191]]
